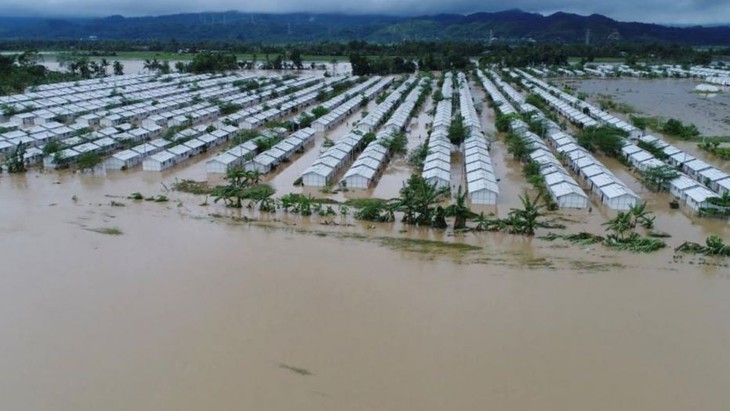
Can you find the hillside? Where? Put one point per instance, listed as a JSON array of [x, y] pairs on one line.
[[512, 25]]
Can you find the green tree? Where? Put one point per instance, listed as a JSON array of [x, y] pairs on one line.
[[659, 177], [526, 219], [15, 162], [457, 131], [296, 58], [619, 226], [459, 210], [118, 68]]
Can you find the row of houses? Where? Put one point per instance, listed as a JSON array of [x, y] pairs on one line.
[[281, 151], [331, 162], [576, 110], [368, 165], [98, 101], [600, 181], [382, 111], [324, 170], [335, 117], [561, 186], [171, 155], [501, 104], [710, 181], [481, 182], [437, 164]]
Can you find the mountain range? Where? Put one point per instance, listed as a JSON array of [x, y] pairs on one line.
[[510, 26]]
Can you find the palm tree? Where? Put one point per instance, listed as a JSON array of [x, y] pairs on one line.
[[640, 215], [483, 223], [103, 66], [518, 147], [526, 218], [118, 68], [459, 210], [619, 225], [232, 194], [251, 177]]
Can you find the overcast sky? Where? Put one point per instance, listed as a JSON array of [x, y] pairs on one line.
[[655, 11]]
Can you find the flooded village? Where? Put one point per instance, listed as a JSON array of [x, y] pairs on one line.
[[252, 239]]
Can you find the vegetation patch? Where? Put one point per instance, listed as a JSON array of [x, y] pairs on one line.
[[107, 230], [192, 187], [714, 246], [295, 370]]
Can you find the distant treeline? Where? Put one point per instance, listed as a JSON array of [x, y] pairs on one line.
[[432, 53], [92, 59]]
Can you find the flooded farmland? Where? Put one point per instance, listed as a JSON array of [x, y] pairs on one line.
[[667, 98], [186, 307]]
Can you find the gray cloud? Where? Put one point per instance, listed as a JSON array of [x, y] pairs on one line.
[[658, 11]]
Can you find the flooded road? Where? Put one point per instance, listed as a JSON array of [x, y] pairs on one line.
[[186, 312]]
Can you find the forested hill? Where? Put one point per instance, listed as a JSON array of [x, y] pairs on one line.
[[508, 26]]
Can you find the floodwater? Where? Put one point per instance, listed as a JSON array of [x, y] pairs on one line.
[[136, 66], [186, 312], [667, 98], [189, 309]]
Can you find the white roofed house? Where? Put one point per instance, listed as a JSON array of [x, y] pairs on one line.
[[209, 140], [680, 185], [710, 177], [483, 191], [568, 195], [696, 197], [263, 163], [723, 186], [90, 120], [33, 156], [223, 162], [111, 120], [159, 161], [139, 134], [694, 167], [196, 146], [25, 120], [154, 121], [438, 173], [564, 190], [618, 197], [123, 160], [182, 152], [317, 175], [680, 158], [60, 159], [6, 147], [107, 144]]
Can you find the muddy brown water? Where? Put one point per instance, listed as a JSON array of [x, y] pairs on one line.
[[668, 98], [183, 311], [187, 311]]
